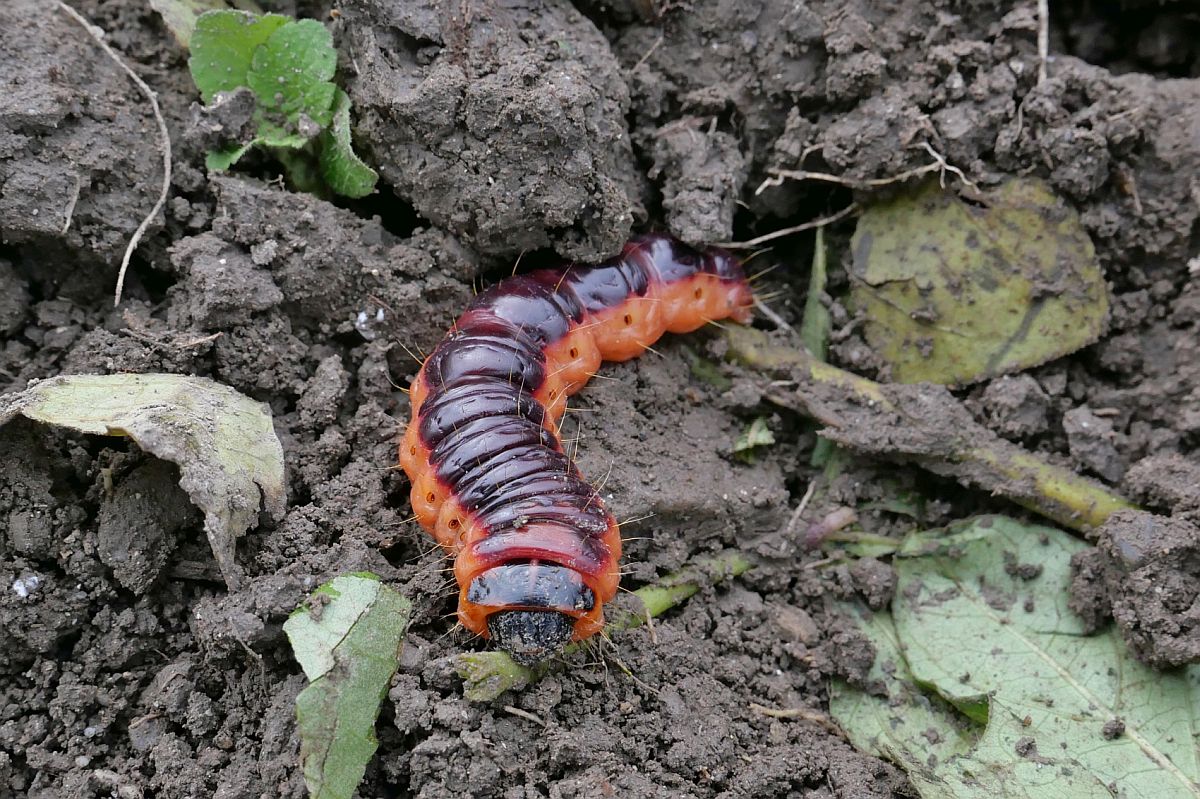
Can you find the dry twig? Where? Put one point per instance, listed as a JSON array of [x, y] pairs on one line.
[[775, 318], [790, 527], [525, 714]]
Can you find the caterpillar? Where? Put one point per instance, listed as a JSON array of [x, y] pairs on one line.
[[535, 551]]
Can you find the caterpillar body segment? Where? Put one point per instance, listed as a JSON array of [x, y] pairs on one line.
[[535, 551]]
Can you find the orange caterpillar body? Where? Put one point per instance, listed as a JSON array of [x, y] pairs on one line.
[[535, 552]]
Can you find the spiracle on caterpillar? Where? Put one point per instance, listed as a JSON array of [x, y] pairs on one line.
[[535, 551]]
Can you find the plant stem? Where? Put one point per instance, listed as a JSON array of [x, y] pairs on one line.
[[489, 674], [673, 589], [926, 425]]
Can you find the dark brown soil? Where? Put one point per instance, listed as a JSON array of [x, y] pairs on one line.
[[514, 128]]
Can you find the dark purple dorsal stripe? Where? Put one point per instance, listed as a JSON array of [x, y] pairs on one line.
[[480, 422]]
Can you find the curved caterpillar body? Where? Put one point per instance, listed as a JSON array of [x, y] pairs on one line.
[[535, 552]]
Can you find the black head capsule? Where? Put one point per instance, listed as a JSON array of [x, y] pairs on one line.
[[531, 636], [538, 599]]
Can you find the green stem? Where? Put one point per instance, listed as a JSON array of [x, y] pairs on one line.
[[952, 445], [1052, 491], [487, 675], [673, 589]]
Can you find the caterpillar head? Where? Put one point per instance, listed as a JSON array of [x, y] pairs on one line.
[[536, 603], [531, 636]]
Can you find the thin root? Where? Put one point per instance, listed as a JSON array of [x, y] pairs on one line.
[[162, 131], [775, 318], [939, 165], [525, 714], [787, 231], [802, 713], [1043, 39], [794, 519]]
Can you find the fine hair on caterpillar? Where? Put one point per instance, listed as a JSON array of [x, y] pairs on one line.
[[536, 553]]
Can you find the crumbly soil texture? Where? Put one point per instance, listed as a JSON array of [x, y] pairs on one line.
[[522, 132]]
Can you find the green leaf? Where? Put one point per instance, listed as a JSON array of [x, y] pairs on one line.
[[896, 720], [817, 323], [705, 370], [289, 65], [487, 675], [291, 74], [756, 435], [223, 48], [945, 754], [303, 171], [957, 291], [348, 645], [816, 328], [180, 15], [230, 460], [977, 623], [344, 171], [220, 160], [895, 500]]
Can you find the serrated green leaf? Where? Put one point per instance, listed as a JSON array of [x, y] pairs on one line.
[[220, 160], [289, 65], [977, 622], [272, 135], [342, 169], [230, 460], [291, 75], [349, 650], [955, 292], [223, 47]]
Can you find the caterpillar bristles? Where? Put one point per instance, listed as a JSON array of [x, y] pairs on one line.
[[486, 432]]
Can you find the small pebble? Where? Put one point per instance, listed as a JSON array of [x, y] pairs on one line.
[[26, 584]]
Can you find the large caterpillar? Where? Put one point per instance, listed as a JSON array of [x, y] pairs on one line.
[[535, 551]]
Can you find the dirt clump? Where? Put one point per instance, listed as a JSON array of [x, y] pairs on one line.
[[136, 525], [1145, 573], [503, 124], [702, 173], [14, 299], [1093, 443], [77, 141], [1016, 406], [1167, 481]]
